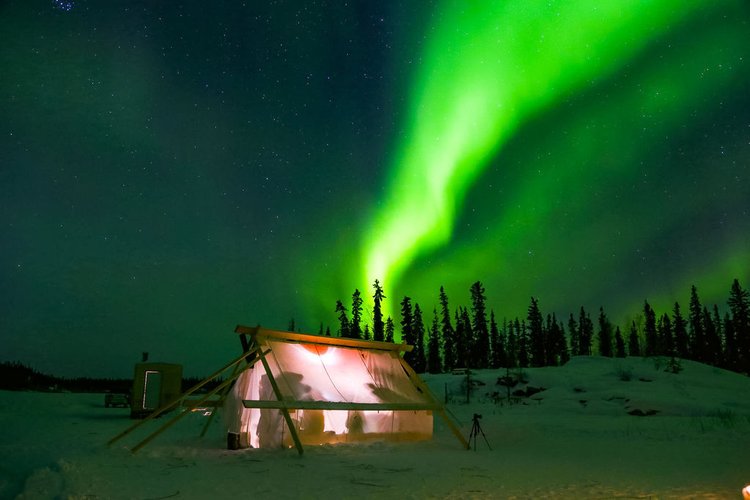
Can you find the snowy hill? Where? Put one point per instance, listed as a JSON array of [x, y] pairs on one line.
[[603, 386], [594, 428]]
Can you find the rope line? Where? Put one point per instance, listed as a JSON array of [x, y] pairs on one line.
[[328, 374]]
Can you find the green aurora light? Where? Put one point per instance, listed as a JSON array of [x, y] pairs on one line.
[[487, 70]]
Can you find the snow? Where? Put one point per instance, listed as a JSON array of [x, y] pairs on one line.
[[575, 439]]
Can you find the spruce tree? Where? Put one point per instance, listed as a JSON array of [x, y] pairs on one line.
[[467, 335], [652, 341], [563, 350], [634, 343], [716, 319], [619, 344], [434, 363], [355, 329], [389, 330], [730, 344], [586, 327], [512, 350], [523, 344], [407, 334], [378, 327], [447, 333], [459, 336], [536, 334], [549, 352], [698, 345], [605, 335], [557, 348], [713, 341], [480, 331], [665, 342], [343, 320], [420, 361], [575, 337], [739, 306], [497, 340], [679, 329], [366, 333]]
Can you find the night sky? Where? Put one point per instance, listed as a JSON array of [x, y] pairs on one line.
[[169, 171]]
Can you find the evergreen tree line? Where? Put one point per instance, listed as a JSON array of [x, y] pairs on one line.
[[15, 376], [466, 337]]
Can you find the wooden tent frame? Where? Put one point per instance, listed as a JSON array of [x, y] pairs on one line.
[[252, 352], [250, 356], [249, 336]]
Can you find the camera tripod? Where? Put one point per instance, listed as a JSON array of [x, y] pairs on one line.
[[477, 429]]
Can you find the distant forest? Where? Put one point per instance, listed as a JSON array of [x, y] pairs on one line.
[[15, 376], [465, 337], [472, 337]]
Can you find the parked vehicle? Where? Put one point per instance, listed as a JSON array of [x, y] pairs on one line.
[[112, 400]]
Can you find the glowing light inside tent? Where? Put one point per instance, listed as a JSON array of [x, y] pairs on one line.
[[746, 492], [313, 353]]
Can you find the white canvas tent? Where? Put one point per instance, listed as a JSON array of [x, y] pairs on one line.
[[289, 389], [309, 389]]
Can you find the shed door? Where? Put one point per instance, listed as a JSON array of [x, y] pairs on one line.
[[152, 390]]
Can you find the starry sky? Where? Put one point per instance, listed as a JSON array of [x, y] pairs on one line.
[[169, 171]]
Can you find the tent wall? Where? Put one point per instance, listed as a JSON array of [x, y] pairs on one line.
[[325, 373]]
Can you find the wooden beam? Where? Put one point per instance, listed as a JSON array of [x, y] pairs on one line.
[[280, 397], [236, 371], [185, 411], [257, 331], [184, 396], [340, 405]]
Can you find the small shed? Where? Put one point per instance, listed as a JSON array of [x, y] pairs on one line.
[[154, 385]]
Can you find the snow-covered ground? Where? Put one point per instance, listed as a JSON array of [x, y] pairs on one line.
[[575, 439]]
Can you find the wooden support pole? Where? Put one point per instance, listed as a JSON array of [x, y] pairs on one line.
[[441, 410], [248, 348], [177, 417], [220, 402], [184, 396], [279, 396]]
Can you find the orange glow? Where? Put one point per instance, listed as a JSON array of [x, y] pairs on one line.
[[318, 350], [317, 353], [746, 492]]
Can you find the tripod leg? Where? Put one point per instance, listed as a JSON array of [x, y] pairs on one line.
[[485, 439]]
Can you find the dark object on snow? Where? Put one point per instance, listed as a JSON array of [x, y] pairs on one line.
[[116, 400], [507, 381], [475, 429], [233, 441], [640, 413], [528, 391]]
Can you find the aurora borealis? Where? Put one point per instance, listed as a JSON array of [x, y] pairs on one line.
[[169, 172]]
